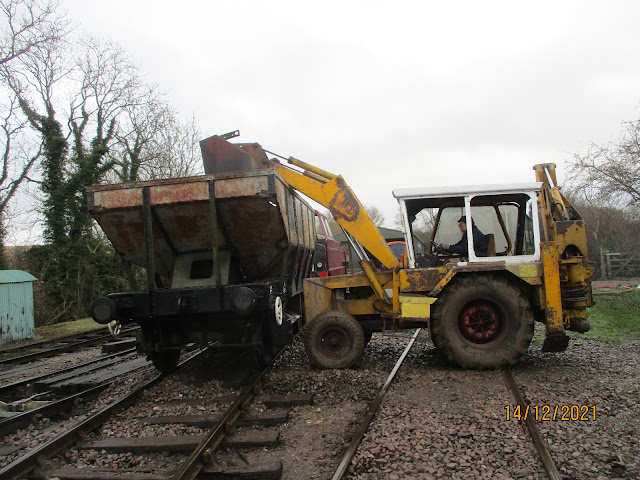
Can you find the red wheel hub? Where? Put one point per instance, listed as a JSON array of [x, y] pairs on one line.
[[333, 342], [481, 323]]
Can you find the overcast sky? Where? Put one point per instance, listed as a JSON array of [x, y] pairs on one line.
[[391, 94]]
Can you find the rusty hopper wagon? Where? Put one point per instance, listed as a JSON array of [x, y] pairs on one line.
[[225, 255]]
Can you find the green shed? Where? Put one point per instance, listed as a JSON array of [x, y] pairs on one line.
[[16, 306]]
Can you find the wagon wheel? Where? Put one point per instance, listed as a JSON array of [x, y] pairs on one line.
[[482, 322], [266, 348], [165, 360]]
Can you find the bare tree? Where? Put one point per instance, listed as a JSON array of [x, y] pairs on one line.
[[178, 152], [137, 135], [28, 24], [18, 156], [155, 144], [376, 215], [609, 227], [422, 225], [611, 173]]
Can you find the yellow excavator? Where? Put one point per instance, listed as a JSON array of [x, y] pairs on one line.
[[479, 310]]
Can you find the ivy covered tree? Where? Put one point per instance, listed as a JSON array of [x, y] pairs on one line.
[[82, 143], [25, 26], [92, 118], [72, 263]]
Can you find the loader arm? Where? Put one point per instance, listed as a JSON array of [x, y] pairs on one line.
[[332, 192], [567, 274]]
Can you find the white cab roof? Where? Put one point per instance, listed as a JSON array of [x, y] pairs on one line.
[[461, 190]]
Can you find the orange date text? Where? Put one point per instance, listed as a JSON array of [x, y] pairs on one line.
[[545, 413]]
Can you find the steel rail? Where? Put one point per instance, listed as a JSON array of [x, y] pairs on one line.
[[58, 405], [22, 420], [541, 447], [25, 381], [371, 411], [26, 345], [191, 468], [48, 352], [26, 463]]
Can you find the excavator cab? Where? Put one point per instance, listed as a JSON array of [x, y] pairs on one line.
[[506, 215]]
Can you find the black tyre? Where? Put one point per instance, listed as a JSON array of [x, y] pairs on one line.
[[334, 340], [165, 360], [482, 322]]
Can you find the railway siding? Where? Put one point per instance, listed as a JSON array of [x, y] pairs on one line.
[[446, 423]]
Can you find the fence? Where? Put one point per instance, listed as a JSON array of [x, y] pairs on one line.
[[619, 265]]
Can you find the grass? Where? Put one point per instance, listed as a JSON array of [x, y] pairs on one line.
[[66, 328], [615, 318], [52, 332]]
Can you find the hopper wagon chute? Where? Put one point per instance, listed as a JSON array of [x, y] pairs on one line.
[[225, 255]]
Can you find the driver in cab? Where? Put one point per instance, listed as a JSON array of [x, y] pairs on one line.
[[480, 243]]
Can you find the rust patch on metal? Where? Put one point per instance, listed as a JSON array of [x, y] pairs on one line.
[[256, 151], [220, 156], [344, 204], [172, 194], [422, 279], [241, 187]]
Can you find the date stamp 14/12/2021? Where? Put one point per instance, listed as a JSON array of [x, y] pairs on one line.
[[542, 413]]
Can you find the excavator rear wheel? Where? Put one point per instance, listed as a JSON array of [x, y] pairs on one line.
[[334, 340], [482, 322]]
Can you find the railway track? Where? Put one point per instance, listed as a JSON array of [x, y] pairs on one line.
[[44, 397], [467, 418], [510, 380], [13, 355], [194, 438], [447, 423], [64, 434]]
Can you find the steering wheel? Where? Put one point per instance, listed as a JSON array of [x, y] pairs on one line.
[[437, 251]]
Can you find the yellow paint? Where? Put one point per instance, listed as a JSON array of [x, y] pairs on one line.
[[395, 285], [530, 273], [317, 297], [386, 303], [553, 299], [416, 306]]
